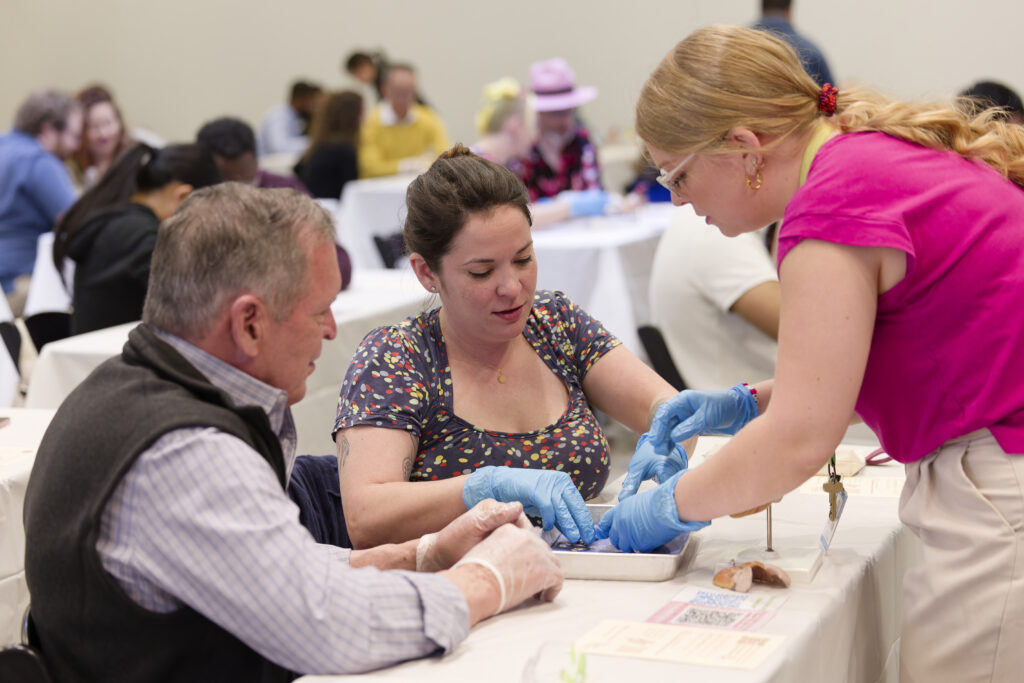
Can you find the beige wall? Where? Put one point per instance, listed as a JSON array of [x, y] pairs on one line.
[[175, 63]]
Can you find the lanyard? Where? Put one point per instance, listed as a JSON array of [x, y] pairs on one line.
[[821, 134]]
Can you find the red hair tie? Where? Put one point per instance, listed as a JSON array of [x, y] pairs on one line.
[[827, 99]]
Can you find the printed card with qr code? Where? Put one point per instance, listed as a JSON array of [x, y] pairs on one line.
[[694, 606]]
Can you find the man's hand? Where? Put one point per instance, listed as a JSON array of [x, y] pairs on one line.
[[446, 547], [506, 568]]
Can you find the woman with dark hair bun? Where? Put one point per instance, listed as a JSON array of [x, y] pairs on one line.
[[491, 394], [110, 231]]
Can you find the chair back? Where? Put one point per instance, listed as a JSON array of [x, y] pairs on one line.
[[10, 352], [47, 327], [11, 336], [661, 359], [22, 664]]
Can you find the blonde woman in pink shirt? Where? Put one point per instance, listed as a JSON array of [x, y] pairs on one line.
[[901, 262]]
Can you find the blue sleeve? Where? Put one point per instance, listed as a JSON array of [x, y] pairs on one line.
[[49, 187]]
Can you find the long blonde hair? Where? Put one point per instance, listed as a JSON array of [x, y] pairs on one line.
[[722, 77]]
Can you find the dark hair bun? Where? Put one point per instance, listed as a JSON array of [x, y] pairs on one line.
[[457, 150]]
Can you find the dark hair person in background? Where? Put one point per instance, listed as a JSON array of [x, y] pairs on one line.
[[111, 230], [331, 159], [986, 94], [776, 17], [284, 128], [233, 145]]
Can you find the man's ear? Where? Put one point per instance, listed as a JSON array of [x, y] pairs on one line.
[[424, 274], [249, 318]]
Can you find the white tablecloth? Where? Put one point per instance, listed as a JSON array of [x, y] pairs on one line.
[[47, 291], [373, 206], [842, 626], [19, 440], [604, 265], [9, 378], [374, 298]]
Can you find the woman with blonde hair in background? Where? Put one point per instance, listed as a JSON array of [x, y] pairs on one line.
[[506, 138], [902, 272]]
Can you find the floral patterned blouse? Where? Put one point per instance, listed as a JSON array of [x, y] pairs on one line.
[[399, 378]]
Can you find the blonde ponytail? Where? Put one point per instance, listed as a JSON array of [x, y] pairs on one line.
[[723, 77]]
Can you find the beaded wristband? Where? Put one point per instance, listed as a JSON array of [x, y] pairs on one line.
[[753, 392]]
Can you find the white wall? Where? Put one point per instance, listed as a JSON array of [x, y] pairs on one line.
[[175, 63]]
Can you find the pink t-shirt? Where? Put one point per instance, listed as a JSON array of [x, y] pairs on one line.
[[947, 355]]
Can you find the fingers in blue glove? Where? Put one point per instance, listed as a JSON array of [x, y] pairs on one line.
[[647, 464], [647, 520]]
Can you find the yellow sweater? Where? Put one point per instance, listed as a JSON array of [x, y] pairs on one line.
[[381, 146]]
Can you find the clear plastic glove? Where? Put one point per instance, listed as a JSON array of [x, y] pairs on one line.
[[585, 203], [547, 494], [692, 413], [441, 550], [646, 464], [647, 520], [522, 564]]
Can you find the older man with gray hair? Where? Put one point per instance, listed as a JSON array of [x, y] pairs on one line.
[[34, 186], [161, 544]]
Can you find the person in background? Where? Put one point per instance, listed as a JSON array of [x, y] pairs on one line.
[[777, 17], [988, 94], [180, 556], [506, 138], [111, 230], [104, 135], [399, 135], [563, 158], [332, 157], [493, 393], [233, 145], [716, 301], [363, 72], [900, 285], [34, 185], [284, 128]]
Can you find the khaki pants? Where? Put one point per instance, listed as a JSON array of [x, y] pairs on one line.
[[963, 607]]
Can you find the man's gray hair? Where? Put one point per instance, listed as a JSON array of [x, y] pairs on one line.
[[227, 240], [42, 107]]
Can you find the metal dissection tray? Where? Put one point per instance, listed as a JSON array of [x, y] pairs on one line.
[[602, 560]]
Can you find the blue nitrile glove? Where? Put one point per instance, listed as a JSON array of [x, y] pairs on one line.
[[585, 203], [547, 494], [701, 412], [647, 520], [646, 464]]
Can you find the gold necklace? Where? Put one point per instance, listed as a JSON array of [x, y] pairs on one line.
[[501, 377]]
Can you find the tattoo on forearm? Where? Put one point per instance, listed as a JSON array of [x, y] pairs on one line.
[[342, 450], [654, 411]]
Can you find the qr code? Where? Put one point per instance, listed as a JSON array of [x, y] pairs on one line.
[[702, 616]]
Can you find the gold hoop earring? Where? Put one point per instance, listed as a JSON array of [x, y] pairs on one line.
[[756, 185]]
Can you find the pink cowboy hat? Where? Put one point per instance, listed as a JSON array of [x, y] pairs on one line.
[[554, 86]]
